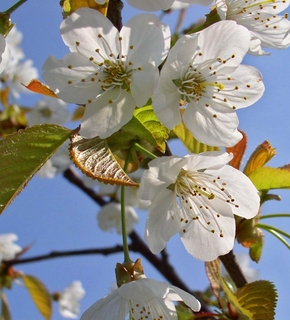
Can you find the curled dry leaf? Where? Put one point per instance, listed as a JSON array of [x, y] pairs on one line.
[[95, 159]]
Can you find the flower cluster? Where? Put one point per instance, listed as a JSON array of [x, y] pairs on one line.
[[199, 81]]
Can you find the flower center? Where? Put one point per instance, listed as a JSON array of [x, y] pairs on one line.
[[115, 74], [196, 191], [192, 86]]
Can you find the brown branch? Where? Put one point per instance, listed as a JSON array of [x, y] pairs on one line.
[[114, 13], [73, 178], [61, 254], [230, 263]]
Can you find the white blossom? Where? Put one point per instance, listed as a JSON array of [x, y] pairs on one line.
[[110, 72], [17, 71], [69, 300], [203, 77], [8, 249], [268, 29], [48, 110], [197, 197], [13, 40], [109, 217], [143, 299]]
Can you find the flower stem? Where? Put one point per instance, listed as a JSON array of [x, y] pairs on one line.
[[14, 7], [123, 217], [275, 232], [266, 227], [143, 150], [275, 215]]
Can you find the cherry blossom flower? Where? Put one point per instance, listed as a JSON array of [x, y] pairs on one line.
[[143, 299], [16, 72], [49, 110], [109, 217], [110, 72], [8, 249], [203, 77], [267, 28], [197, 196], [156, 5], [69, 300], [13, 40]]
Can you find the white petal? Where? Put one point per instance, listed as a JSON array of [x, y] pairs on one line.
[[85, 26], [188, 299], [207, 160], [142, 84], [72, 77], [107, 114], [162, 222], [143, 290], [138, 35], [212, 128], [242, 190], [112, 306], [201, 243], [235, 43]]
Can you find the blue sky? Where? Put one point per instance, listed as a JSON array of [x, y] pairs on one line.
[[53, 215]]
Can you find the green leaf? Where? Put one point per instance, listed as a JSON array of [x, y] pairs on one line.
[[266, 178], [256, 300], [23, 153], [191, 144], [184, 312], [235, 301], [39, 294], [143, 126], [5, 312]]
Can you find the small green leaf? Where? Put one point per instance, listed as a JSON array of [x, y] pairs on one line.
[[39, 294], [184, 313], [191, 144], [256, 300], [259, 298], [23, 153], [235, 301], [266, 178], [143, 126], [5, 312]]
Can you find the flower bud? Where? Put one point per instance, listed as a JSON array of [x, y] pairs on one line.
[[263, 153]]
